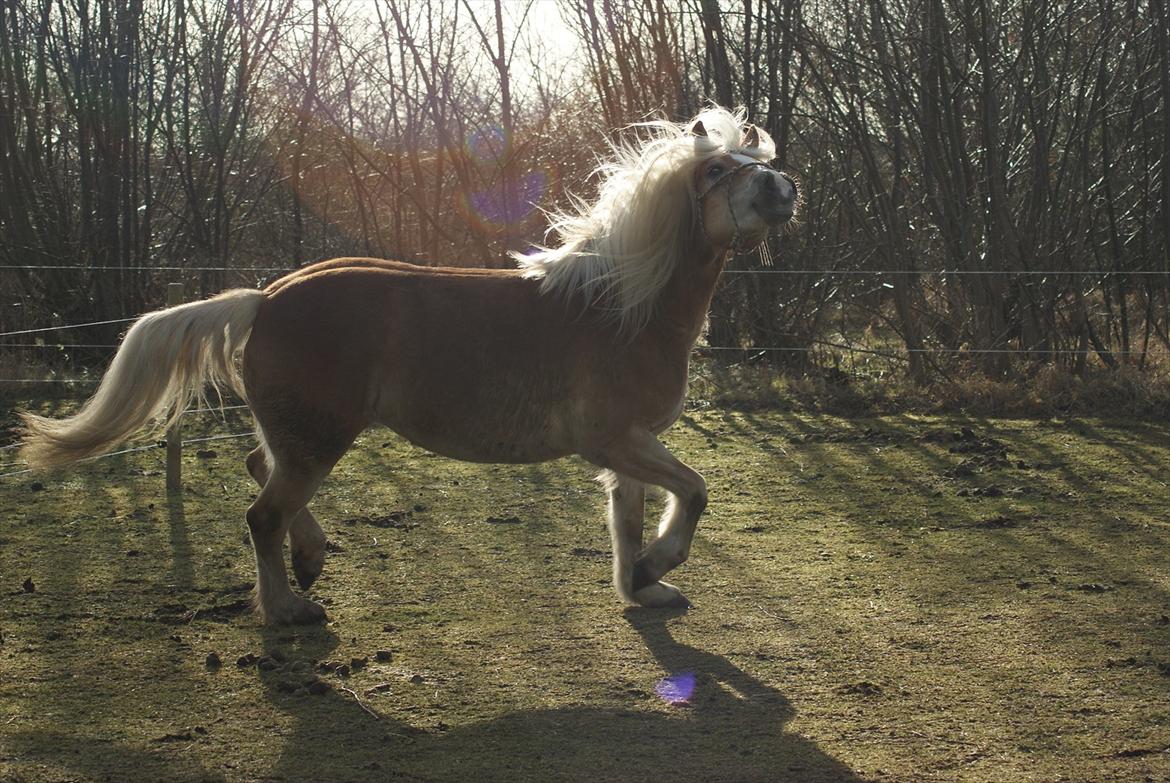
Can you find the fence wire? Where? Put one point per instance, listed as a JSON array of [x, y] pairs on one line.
[[832, 272], [67, 326], [761, 272], [188, 412], [895, 353], [134, 450]]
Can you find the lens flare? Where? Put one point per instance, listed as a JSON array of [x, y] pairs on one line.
[[487, 145], [508, 203], [511, 202], [676, 689], [507, 206]]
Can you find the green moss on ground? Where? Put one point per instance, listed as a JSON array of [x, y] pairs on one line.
[[875, 599]]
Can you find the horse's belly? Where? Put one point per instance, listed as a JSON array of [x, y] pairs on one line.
[[488, 434], [500, 452], [479, 446]]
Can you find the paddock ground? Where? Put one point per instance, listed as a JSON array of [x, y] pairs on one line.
[[903, 598]]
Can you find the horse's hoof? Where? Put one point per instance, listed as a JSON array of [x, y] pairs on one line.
[[662, 595], [306, 612], [307, 567], [299, 611]]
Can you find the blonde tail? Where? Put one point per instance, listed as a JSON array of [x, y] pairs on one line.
[[163, 363]]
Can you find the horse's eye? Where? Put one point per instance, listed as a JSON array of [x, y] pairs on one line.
[[715, 171]]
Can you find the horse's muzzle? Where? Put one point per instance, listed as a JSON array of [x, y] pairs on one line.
[[776, 196]]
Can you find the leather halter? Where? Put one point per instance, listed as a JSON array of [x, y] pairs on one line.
[[701, 197]]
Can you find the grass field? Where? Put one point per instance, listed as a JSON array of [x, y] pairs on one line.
[[903, 598]]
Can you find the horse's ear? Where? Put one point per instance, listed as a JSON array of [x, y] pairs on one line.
[[752, 137], [698, 129]]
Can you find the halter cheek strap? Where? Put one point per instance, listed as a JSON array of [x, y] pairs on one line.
[[728, 178]]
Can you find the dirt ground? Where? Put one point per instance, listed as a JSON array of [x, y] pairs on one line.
[[903, 598]]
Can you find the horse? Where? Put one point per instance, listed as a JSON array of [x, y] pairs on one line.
[[582, 349]]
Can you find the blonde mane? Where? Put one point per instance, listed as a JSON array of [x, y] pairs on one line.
[[619, 252]]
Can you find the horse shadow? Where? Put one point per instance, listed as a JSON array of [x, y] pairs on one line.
[[731, 728]]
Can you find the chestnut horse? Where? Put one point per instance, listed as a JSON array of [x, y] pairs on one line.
[[582, 350]]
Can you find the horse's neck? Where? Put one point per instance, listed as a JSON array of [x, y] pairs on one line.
[[685, 300]]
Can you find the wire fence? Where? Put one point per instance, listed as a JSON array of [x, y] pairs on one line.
[[58, 345], [733, 272], [63, 327], [218, 410], [899, 353], [833, 272], [134, 450]]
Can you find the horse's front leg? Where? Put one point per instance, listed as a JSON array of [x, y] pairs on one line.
[[305, 537], [639, 456]]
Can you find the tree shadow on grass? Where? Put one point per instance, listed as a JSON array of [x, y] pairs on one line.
[[731, 728]]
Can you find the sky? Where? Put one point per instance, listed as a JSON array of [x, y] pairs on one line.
[[545, 39]]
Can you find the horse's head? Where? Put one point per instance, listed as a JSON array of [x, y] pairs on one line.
[[740, 198], [678, 193]]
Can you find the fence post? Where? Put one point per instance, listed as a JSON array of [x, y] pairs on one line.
[[175, 431]]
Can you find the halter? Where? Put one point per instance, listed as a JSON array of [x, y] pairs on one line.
[[700, 197]]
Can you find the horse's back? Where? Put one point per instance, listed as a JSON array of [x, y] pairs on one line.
[[472, 363], [386, 265]]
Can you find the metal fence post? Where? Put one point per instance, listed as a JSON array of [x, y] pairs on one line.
[[175, 431]]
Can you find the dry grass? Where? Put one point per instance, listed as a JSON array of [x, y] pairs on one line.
[[875, 599]]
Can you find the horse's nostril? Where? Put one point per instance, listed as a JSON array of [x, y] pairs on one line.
[[780, 187], [776, 197]]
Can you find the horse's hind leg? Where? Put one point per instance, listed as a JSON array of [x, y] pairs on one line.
[[305, 537], [627, 512]]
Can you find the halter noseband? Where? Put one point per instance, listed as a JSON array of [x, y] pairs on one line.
[[700, 197]]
